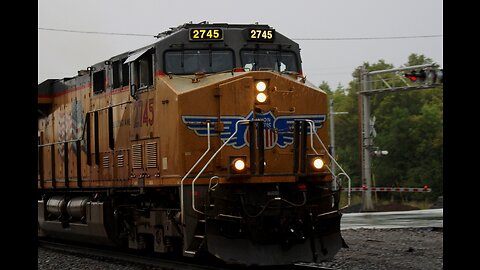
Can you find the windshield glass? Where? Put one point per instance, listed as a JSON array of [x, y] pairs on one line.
[[269, 59], [193, 61]]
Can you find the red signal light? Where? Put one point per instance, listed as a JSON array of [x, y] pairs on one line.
[[415, 76], [412, 78]]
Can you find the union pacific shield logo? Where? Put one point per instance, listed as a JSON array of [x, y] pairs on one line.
[[278, 131], [269, 132]]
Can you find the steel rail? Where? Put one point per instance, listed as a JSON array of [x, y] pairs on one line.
[[128, 257]]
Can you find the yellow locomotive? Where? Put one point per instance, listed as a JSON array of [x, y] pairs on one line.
[[210, 141]]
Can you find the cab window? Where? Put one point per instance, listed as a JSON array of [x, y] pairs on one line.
[[193, 61], [99, 81], [119, 74], [269, 60], [143, 71]]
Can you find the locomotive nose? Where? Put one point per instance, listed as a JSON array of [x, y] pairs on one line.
[[272, 104]]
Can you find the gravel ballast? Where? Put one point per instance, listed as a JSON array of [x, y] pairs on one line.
[[410, 248], [373, 249]]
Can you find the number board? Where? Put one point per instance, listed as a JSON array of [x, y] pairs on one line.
[[266, 35], [206, 34]]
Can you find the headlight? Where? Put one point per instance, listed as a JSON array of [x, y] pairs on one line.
[[261, 86], [238, 165], [261, 97], [317, 163]]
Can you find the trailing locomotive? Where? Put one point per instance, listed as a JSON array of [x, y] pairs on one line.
[[210, 141]]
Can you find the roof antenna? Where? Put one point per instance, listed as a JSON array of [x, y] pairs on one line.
[[171, 31]]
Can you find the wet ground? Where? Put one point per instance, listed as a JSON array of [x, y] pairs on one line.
[[395, 219]]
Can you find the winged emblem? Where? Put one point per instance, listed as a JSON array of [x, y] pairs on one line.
[[278, 130], [285, 126], [199, 125]]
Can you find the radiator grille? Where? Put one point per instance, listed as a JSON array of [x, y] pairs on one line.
[[137, 156], [106, 161], [151, 155], [120, 161]]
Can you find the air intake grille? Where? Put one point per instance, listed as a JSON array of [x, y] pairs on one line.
[[151, 155], [106, 161], [137, 156], [120, 161]]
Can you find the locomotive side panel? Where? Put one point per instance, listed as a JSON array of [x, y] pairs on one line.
[[100, 170], [167, 126], [121, 135], [45, 138], [82, 108], [58, 122]]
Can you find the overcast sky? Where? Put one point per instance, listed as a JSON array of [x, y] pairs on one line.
[[62, 54]]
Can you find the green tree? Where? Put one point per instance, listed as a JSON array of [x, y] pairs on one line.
[[325, 87]]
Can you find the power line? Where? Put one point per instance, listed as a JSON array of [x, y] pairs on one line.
[[368, 38], [306, 39], [93, 32]]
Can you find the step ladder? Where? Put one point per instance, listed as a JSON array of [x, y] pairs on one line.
[[199, 239]]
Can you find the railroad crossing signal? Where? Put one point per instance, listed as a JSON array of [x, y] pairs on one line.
[[431, 76], [416, 76]]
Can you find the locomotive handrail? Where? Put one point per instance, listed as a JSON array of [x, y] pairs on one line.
[[312, 125], [191, 169], [111, 106], [210, 183], [312, 128], [210, 160], [197, 76], [55, 143]]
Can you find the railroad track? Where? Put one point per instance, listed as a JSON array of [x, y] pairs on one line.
[[155, 262], [110, 254], [306, 266]]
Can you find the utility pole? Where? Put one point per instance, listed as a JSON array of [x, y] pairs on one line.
[[332, 141], [366, 142], [423, 77]]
